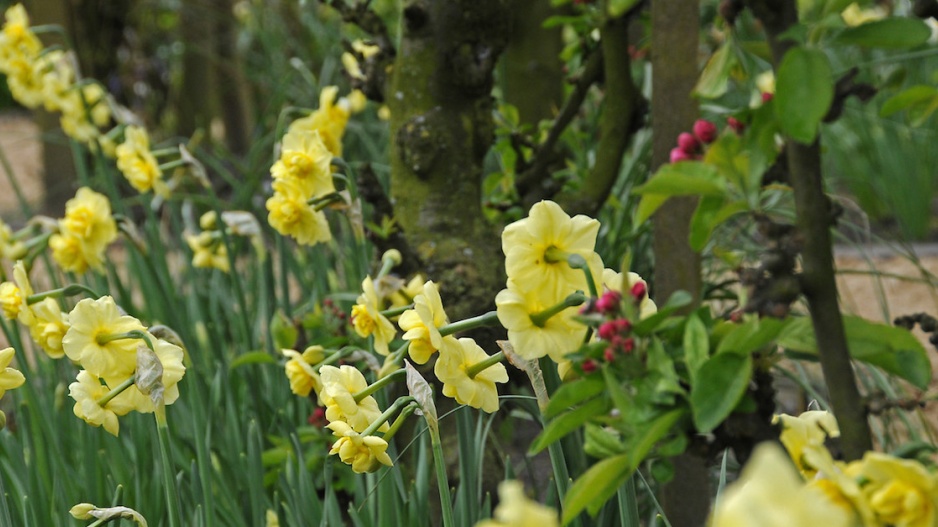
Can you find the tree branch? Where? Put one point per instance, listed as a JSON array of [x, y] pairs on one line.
[[817, 279]]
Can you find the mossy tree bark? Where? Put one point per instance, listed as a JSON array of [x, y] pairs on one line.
[[441, 129], [675, 30]]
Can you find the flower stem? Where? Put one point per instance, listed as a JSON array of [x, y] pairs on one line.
[[478, 367], [173, 164], [395, 311], [377, 385], [441, 480], [540, 318], [102, 402], [69, 290], [393, 409], [169, 484], [396, 425], [578, 262], [470, 323], [104, 339]]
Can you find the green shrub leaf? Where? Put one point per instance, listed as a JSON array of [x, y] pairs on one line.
[[721, 382], [804, 90], [890, 33]]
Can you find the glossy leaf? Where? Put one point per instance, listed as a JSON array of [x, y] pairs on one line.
[[595, 486], [686, 178], [716, 74], [696, 345], [568, 422], [752, 335], [889, 33], [573, 393], [720, 384], [804, 90]]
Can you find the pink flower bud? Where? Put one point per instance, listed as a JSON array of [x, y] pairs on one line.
[[638, 291], [678, 155], [608, 330], [705, 131], [735, 125], [609, 302], [766, 97], [688, 143], [609, 354], [628, 345], [589, 366], [623, 325]]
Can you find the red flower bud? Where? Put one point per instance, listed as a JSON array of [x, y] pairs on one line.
[[628, 345], [609, 354], [638, 291], [705, 131], [609, 302], [766, 97], [589, 366], [735, 125], [608, 330], [318, 417], [688, 143], [623, 325], [678, 155]]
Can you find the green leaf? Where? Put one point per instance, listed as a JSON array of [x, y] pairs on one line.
[[568, 422], [687, 178], [921, 101], [696, 345], [889, 33], [721, 382], [648, 205], [619, 7], [703, 221], [835, 6], [252, 357], [595, 486], [893, 349], [716, 74], [752, 335], [677, 300], [645, 439], [804, 90], [573, 393]]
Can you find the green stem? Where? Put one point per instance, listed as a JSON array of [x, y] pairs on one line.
[[396, 425], [377, 385], [104, 339], [387, 263], [578, 262], [102, 402], [321, 202], [397, 310], [169, 484], [335, 357], [628, 504], [486, 319], [540, 318], [69, 290], [393, 409], [441, 480], [478, 367], [165, 151], [173, 164]]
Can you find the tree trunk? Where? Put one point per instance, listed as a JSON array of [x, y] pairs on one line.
[[233, 88], [532, 72], [675, 30], [441, 129]]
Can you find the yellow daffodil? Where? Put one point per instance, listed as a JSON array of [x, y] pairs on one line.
[[208, 251], [25, 80], [12, 300], [10, 247], [85, 232], [515, 509], [170, 357], [303, 377], [291, 214], [613, 282], [329, 120], [305, 160], [770, 493], [451, 368], [406, 293], [271, 519], [368, 320], [84, 112], [339, 385], [421, 324], [364, 453], [17, 40], [58, 77], [804, 436], [137, 163], [557, 336], [85, 342], [535, 249], [87, 390], [10, 378], [854, 15], [48, 326], [901, 492]]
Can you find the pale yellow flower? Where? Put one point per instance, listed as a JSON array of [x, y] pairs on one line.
[[89, 222], [12, 300], [291, 214], [137, 163], [854, 15], [58, 78], [613, 282], [10, 248], [208, 251], [17, 40], [48, 326], [303, 377], [24, 79], [93, 321], [405, 294], [368, 320], [901, 492], [84, 112], [364, 453], [770, 493], [805, 435], [451, 368], [271, 519], [515, 509], [528, 245], [305, 160], [87, 390], [329, 120], [557, 337], [170, 357], [421, 324], [10, 378], [338, 388]]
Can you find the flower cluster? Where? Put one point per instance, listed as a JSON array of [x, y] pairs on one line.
[[137, 163], [690, 146], [877, 491], [49, 78], [84, 233], [10, 378]]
